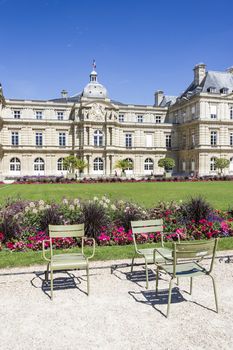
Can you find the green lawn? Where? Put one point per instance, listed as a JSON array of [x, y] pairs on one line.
[[219, 194], [14, 259]]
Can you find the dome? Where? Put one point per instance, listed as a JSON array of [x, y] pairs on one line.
[[94, 89]]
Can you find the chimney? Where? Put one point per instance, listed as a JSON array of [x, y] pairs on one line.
[[199, 73], [64, 94], [230, 70], [158, 97]]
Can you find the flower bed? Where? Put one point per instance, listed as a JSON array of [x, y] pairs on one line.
[[24, 224]]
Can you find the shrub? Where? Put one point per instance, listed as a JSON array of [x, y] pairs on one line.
[[127, 212], [195, 209], [94, 216]]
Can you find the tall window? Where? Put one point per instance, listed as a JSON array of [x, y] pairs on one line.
[[62, 139], [213, 164], [128, 140], [39, 115], [192, 165], [140, 118], [193, 138], [60, 164], [183, 165], [15, 138], [231, 112], [60, 115], [168, 141], [121, 118], [39, 139], [231, 138], [158, 119], [39, 164], [98, 164], [15, 164], [213, 112], [149, 140], [193, 111], [213, 138], [98, 138], [17, 114], [149, 164]]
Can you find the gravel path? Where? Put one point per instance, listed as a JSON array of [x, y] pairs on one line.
[[119, 313]]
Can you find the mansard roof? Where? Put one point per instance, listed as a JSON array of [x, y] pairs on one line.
[[212, 79]]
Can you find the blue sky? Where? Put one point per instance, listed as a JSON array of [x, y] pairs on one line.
[[139, 45]]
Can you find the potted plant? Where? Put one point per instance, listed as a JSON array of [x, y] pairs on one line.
[[168, 164]]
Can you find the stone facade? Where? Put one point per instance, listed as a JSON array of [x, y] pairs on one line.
[[194, 129]]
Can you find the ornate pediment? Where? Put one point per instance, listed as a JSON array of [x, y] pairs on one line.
[[99, 111]]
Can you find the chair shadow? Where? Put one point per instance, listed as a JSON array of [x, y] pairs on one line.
[[59, 283], [152, 298], [138, 277]]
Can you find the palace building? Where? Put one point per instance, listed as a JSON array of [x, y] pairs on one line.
[[194, 129]]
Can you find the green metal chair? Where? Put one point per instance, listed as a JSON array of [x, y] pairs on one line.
[[66, 261], [185, 262], [145, 227]]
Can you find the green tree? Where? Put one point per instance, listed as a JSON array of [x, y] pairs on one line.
[[166, 163], [221, 163], [81, 165], [123, 164], [71, 163]]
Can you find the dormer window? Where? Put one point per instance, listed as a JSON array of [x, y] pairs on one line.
[[224, 90], [211, 89]]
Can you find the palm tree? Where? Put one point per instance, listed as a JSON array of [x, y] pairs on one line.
[[81, 165], [123, 164]]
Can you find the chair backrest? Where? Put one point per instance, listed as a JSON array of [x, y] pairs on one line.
[[62, 231], [194, 251], [146, 226]]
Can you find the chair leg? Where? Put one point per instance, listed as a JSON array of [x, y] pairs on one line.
[[215, 293], [132, 263], [169, 297], [147, 282], [51, 283], [47, 274], [191, 285], [178, 281], [88, 282], [157, 280]]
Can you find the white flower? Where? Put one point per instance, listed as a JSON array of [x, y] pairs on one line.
[[41, 207], [65, 201], [105, 205], [47, 206], [95, 199], [41, 202], [76, 201], [107, 200], [113, 207], [71, 207], [32, 204], [35, 211], [104, 198], [101, 202], [27, 209]]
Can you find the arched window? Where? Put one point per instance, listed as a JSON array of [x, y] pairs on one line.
[[15, 164], [39, 164], [131, 162], [149, 164], [60, 164], [98, 138], [212, 164], [98, 164]]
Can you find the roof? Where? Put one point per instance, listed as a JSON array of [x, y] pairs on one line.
[[167, 101], [213, 79]]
